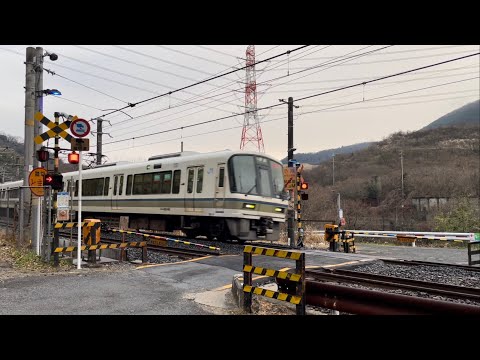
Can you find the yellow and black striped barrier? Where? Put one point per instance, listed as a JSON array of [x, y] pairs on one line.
[[282, 276], [101, 247], [273, 294], [75, 224], [166, 239], [272, 273], [272, 252]]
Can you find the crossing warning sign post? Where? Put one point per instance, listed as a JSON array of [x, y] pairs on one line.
[[35, 180], [79, 128], [55, 129]]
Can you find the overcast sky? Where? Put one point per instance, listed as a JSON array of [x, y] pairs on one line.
[[128, 74]]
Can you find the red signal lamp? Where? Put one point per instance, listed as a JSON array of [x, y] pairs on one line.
[[42, 155], [73, 158], [304, 186]]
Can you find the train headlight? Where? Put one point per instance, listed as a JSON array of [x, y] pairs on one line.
[[279, 209], [249, 206]]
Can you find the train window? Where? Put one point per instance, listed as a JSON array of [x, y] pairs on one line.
[[129, 185], [76, 187], [277, 178], [106, 187], [120, 189], [191, 173], [115, 185], [166, 182], [176, 182], [157, 178], [147, 183], [243, 174], [221, 177], [200, 180], [264, 180], [138, 184]]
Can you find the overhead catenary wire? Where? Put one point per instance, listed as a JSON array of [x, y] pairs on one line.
[[53, 73], [203, 81], [283, 118], [304, 98], [189, 101]]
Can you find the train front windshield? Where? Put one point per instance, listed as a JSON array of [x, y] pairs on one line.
[[255, 175]]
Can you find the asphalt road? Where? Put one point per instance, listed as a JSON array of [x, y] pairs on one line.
[[197, 287]]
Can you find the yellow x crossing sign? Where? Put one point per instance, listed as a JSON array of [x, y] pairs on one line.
[[54, 129]]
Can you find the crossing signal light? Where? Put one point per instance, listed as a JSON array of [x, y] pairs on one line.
[[53, 180], [304, 186], [73, 158], [42, 155]]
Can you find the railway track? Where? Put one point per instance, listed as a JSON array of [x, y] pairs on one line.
[[392, 282], [158, 245], [429, 263], [362, 291]]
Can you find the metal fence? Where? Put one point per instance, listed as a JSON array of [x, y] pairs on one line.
[[24, 218]]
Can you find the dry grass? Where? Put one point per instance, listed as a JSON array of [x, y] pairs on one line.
[[311, 240]]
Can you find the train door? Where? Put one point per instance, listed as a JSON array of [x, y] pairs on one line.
[[194, 189], [117, 191], [219, 199]]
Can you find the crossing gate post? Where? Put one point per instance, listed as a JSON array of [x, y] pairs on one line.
[[247, 280], [285, 277]]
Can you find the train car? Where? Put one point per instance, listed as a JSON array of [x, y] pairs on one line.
[[224, 195], [9, 196]]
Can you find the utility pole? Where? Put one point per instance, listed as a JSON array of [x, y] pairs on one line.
[[37, 129], [290, 150], [100, 133], [99, 141], [333, 169], [290, 213], [401, 165], [28, 138]]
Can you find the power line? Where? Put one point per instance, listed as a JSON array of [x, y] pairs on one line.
[[388, 76], [385, 96], [398, 59], [76, 102], [107, 79], [283, 118], [369, 77], [142, 65], [88, 87], [204, 81], [392, 52], [214, 50], [188, 101], [194, 56], [121, 83], [388, 82], [165, 61], [304, 98]]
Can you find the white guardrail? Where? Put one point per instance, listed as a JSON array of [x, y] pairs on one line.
[[418, 234]]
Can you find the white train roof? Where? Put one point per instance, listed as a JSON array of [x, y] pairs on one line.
[[166, 159]]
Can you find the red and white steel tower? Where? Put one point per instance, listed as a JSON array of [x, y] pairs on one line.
[[251, 133]]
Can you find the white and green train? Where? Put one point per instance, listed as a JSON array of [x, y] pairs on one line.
[[225, 195]]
